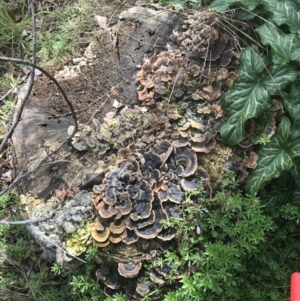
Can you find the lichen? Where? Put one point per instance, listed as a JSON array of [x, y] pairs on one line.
[[79, 241]]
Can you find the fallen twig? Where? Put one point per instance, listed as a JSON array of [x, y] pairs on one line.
[[6, 94], [25, 222], [30, 86]]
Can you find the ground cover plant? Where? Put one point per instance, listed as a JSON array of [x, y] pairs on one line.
[[244, 242]]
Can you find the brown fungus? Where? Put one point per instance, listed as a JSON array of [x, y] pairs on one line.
[[203, 147], [151, 231], [131, 225], [252, 160], [98, 225], [161, 147], [142, 195], [189, 185], [188, 159], [99, 236], [101, 275], [117, 227], [129, 237], [143, 94], [157, 278], [106, 211], [115, 239], [129, 270], [175, 194], [101, 244], [167, 234], [123, 204], [108, 292], [142, 288], [152, 160]]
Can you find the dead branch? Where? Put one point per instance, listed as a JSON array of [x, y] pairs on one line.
[[7, 93], [25, 222], [30, 86]]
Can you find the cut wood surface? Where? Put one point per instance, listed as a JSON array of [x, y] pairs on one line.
[[104, 75]]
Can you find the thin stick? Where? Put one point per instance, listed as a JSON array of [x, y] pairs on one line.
[[25, 222], [6, 94]]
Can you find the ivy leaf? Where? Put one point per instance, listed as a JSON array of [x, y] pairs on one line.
[[284, 12], [292, 104], [249, 98], [274, 157], [245, 15], [222, 5], [286, 47], [283, 189]]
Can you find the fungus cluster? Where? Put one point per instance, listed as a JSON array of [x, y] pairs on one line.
[[115, 130], [122, 277], [136, 196], [75, 212], [142, 191], [193, 109], [152, 150], [184, 85], [206, 40]]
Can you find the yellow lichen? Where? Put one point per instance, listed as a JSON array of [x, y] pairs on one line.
[[79, 240]]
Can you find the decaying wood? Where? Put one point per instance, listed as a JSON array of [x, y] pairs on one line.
[[111, 62]]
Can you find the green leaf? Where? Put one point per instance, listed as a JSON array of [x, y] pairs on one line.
[[285, 47], [250, 97], [292, 104], [274, 157], [279, 77], [245, 15], [284, 12], [222, 5]]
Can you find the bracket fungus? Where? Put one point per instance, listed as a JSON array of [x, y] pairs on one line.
[[115, 130], [129, 270], [159, 148]]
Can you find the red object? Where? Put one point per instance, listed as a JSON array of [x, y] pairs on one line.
[[295, 287]]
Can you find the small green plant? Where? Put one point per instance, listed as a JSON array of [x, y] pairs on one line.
[[57, 268], [10, 30], [117, 297], [66, 32], [84, 286], [241, 241], [4, 201], [91, 253], [263, 140]]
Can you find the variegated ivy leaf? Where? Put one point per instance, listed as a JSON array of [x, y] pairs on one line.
[[292, 104], [250, 96], [222, 5], [285, 47], [284, 12], [274, 157]]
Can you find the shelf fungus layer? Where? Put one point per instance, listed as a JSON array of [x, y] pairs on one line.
[[137, 197], [159, 150]]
